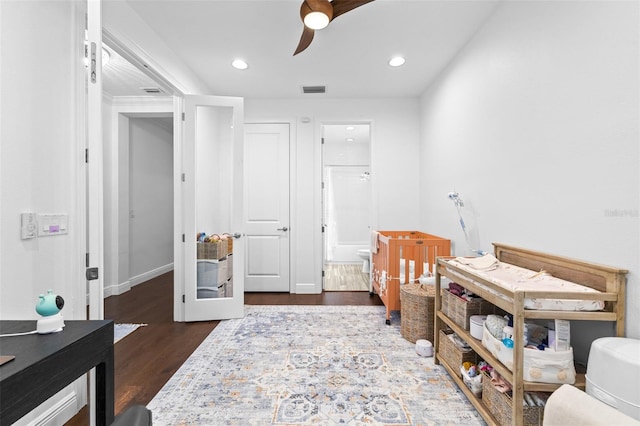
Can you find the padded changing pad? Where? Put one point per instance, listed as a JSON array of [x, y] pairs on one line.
[[512, 277]]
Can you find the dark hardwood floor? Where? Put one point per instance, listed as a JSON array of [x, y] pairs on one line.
[[146, 359]]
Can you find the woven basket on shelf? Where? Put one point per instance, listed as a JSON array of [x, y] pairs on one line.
[[416, 311], [501, 406], [452, 354], [460, 310], [211, 250]]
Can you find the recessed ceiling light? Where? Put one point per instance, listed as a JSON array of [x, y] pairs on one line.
[[239, 64], [350, 139], [350, 128], [396, 61]]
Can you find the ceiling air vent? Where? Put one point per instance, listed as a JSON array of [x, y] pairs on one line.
[[152, 90], [314, 89]]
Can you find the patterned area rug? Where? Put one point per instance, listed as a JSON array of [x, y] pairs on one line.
[[310, 365], [120, 331]]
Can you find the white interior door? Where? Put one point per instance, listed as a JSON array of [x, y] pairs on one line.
[[212, 203], [266, 195]]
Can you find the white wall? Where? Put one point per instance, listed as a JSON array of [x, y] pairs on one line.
[[42, 164], [151, 197], [535, 124], [394, 168]]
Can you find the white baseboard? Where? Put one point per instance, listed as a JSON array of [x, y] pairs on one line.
[[117, 289], [58, 414], [306, 288], [138, 279]]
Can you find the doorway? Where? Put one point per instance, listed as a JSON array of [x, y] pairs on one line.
[[138, 173], [347, 206]]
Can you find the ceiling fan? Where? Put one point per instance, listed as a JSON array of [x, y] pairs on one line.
[[316, 14]]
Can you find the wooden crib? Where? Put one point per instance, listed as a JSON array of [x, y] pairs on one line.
[[386, 274]]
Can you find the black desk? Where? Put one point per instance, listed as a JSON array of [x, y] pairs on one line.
[[46, 363]]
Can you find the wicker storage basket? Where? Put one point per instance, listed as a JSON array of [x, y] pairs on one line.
[[460, 310], [416, 311], [452, 354], [214, 250], [500, 405]]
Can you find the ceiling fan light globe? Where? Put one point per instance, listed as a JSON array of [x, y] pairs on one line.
[[316, 20]]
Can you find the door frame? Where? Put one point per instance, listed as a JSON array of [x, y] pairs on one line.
[[140, 59], [115, 206], [319, 153]]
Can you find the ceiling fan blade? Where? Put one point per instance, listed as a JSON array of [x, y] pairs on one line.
[[343, 6], [305, 40]]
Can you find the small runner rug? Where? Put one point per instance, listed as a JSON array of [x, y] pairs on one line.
[[120, 331], [310, 365]]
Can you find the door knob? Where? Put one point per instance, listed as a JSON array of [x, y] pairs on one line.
[[283, 229]]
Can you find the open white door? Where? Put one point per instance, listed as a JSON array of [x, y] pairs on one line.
[[212, 203]]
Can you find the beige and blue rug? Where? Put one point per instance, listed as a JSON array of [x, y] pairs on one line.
[[310, 365]]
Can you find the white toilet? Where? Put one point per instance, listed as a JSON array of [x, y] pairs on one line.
[[365, 255]]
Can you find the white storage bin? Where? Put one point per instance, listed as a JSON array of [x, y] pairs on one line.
[[229, 261], [211, 273], [210, 292], [613, 373], [473, 383], [228, 288], [476, 325], [538, 366]]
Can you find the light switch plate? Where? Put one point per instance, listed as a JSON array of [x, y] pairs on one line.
[[28, 226], [52, 224]]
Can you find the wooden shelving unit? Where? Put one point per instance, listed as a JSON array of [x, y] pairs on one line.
[[610, 282]]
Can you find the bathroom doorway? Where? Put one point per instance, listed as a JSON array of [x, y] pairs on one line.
[[347, 206]]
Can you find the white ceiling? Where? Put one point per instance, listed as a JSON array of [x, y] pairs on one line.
[[349, 57]]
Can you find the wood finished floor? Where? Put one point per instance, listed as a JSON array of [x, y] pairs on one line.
[[345, 277], [146, 359]]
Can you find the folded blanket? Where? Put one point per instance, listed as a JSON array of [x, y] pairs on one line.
[[484, 263], [374, 241]]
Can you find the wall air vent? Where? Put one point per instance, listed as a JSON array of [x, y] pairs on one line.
[[152, 90], [314, 89]]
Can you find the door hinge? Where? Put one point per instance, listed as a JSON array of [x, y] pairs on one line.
[[93, 63], [322, 185], [183, 116], [86, 260], [184, 177], [86, 155], [183, 238], [322, 228], [183, 299], [322, 273], [322, 141]]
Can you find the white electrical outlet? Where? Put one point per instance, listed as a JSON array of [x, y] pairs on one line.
[[28, 226]]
